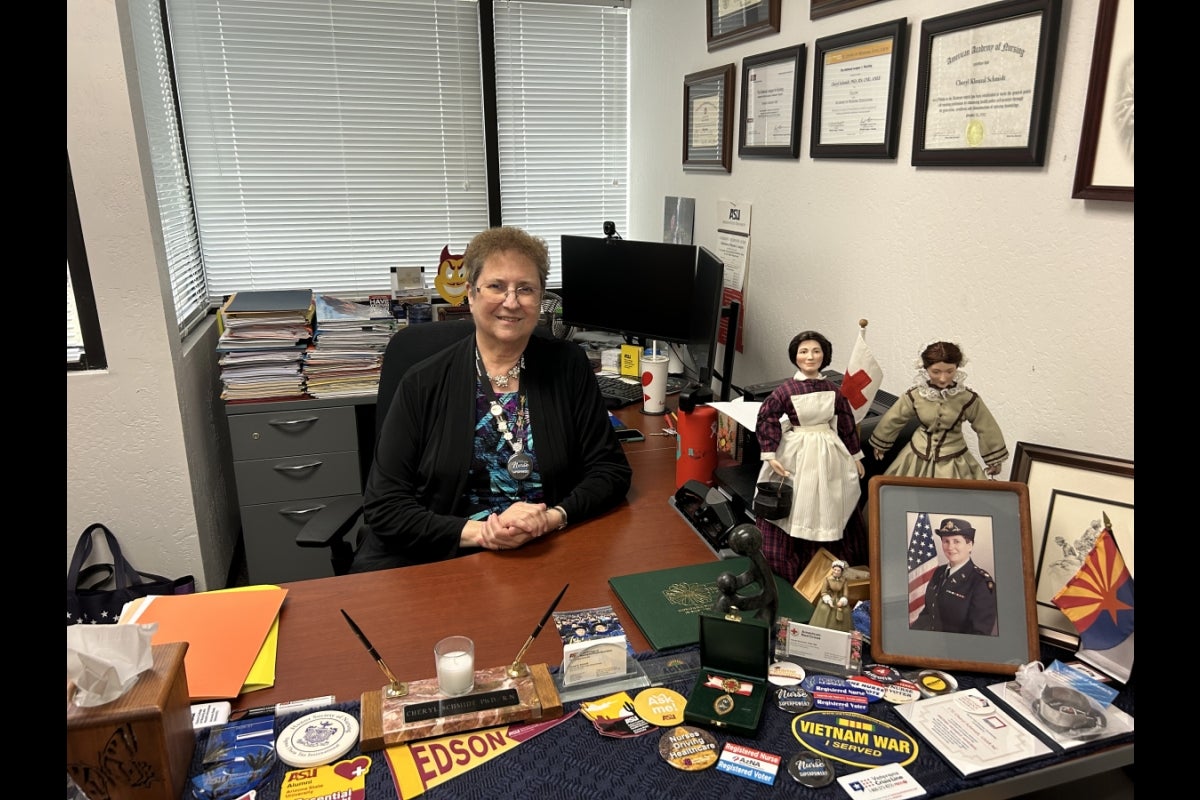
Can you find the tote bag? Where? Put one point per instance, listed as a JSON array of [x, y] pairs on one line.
[[96, 602]]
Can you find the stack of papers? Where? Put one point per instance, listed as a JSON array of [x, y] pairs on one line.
[[347, 352], [263, 338], [232, 636]]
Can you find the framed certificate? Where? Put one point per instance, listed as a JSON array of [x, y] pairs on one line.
[[708, 119], [733, 21], [984, 85], [772, 94], [1104, 170], [857, 86]]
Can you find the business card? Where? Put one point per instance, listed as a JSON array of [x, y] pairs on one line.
[[890, 782]]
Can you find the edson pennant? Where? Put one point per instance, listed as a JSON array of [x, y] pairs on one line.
[[1099, 599]]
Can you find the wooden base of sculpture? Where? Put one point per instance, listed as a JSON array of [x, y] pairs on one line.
[[425, 711]]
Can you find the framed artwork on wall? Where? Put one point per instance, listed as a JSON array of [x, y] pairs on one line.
[[1104, 170], [772, 96], [823, 8], [858, 84], [984, 84], [708, 119]]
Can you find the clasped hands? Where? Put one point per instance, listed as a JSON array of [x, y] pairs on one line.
[[515, 526], [828, 600]]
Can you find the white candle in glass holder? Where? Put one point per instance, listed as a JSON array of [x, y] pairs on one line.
[[455, 665]]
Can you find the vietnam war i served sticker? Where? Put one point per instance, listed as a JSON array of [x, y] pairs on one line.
[[854, 739], [688, 748]]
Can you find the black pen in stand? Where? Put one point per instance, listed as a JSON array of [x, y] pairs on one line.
[[519, 668], [394, 688]]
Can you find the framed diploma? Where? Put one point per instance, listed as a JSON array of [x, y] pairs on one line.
[[772, 94], [733, 21], [708, 119], [951, 574], [984, 85], [857, 87], [823, 8], [1104, 170]]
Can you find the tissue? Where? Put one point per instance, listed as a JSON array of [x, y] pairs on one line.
[[104, 661]]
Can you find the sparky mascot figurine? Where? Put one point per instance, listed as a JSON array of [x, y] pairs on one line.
[[746, 540], [451, 280], [941, 402]]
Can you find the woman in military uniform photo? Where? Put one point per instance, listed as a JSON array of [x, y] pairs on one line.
[[960, 596]]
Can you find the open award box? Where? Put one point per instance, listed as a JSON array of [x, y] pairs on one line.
[[732, 685]]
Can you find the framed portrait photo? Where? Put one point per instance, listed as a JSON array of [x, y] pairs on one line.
[[772, 94], [1104, 170], [952, 584], [733, 21], [708, 119], [984, 84], [857, 87]]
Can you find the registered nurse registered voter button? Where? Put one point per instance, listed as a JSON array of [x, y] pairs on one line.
[[688, 748], [811, 770]]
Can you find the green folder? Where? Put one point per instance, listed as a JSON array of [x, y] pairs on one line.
[[665, 603]]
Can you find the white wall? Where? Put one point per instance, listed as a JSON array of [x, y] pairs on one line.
[[144, 437], [1035, 286]]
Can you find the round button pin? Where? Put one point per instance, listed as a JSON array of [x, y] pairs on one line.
[[318, 738], [688, 748], [793, 699], [811, 770], [785, 673]]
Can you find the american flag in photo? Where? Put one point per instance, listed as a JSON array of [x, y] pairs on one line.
[[922, 560]]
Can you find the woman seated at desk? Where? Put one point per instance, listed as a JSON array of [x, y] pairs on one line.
[[499, 439]]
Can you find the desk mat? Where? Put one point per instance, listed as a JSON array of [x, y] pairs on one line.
[[573, 761]]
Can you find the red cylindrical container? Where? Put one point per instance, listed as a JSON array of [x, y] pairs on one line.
[[696, 447]]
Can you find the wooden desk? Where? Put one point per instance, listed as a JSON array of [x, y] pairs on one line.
[[496, 598]]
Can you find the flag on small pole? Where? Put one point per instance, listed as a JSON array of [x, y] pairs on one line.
[[1099, 599], [863, 375]]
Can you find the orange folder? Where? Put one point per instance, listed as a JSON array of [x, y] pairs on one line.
[[224, 632]]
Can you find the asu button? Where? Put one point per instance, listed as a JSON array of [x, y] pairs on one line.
[[933, 682], [811, 770]]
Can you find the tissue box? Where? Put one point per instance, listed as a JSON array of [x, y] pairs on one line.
[[732, 686], [858, 579], [139, 746]]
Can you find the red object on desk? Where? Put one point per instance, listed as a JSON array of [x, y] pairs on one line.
[[696, 456]]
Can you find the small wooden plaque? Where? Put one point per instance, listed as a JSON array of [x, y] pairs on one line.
[[383, 718]]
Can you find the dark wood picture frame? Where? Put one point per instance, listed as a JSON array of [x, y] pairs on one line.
[[824, 8], [753, 19], [973, 130], [1061, 478], [1104, 122], [999, 512], [862, 45], [708, 119], [788, 113]]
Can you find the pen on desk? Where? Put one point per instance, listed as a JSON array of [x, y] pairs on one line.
[[517, 668], [284, 708], [395, 687]]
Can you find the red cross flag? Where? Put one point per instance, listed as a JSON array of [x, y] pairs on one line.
[[863, 375]]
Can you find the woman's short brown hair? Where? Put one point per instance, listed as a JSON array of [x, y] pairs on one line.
[[805, 336], [504, 239], [942, 353]]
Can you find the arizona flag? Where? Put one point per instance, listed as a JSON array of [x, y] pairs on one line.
[[863, 376], [1099, 599]]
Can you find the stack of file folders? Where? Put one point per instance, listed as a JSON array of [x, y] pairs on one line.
[[264, 335], [346, 355]]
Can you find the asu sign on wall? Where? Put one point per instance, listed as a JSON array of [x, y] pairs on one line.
[[854, 739]]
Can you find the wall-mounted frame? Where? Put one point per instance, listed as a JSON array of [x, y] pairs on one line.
[[1068, 490], [772, 96], [708, 119], [993, 591], [984, 84], [733, 21], [858, 84], [1104, 169], [823, 8]]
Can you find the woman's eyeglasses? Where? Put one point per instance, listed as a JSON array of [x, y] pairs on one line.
[[498, 292]]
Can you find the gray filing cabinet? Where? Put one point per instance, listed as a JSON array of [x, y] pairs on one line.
[[290, 459]]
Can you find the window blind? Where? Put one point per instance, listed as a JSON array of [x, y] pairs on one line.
[[562, 96], [329, 140]]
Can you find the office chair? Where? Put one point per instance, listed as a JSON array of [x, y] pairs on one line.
[[338, 525]]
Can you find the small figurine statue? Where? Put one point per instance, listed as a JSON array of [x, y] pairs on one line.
[[746, 540], [832, 611], [941, 401]]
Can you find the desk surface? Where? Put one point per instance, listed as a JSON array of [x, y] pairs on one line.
[[497, 598]]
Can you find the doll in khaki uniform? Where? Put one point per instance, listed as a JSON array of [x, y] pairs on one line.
[[942, 403]]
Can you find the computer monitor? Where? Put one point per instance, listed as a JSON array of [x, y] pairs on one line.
[[646, 290]]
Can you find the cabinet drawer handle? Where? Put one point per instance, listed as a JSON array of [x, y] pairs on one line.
[[297, 467], [282, 423], [300, 512]]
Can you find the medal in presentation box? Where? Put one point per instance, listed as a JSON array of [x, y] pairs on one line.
[[732, 685]]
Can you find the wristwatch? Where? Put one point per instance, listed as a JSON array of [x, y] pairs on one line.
[[562, 511]]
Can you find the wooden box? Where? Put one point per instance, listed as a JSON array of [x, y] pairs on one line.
[[732, 685], [858, 579], [139, 746]]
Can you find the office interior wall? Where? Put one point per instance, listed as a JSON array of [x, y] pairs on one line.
[[1037, 287], [143, 438]]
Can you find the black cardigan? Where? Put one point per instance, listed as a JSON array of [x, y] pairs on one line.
[[415, 503]]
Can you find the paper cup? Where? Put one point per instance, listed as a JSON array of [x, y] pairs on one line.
[[654, 384]]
